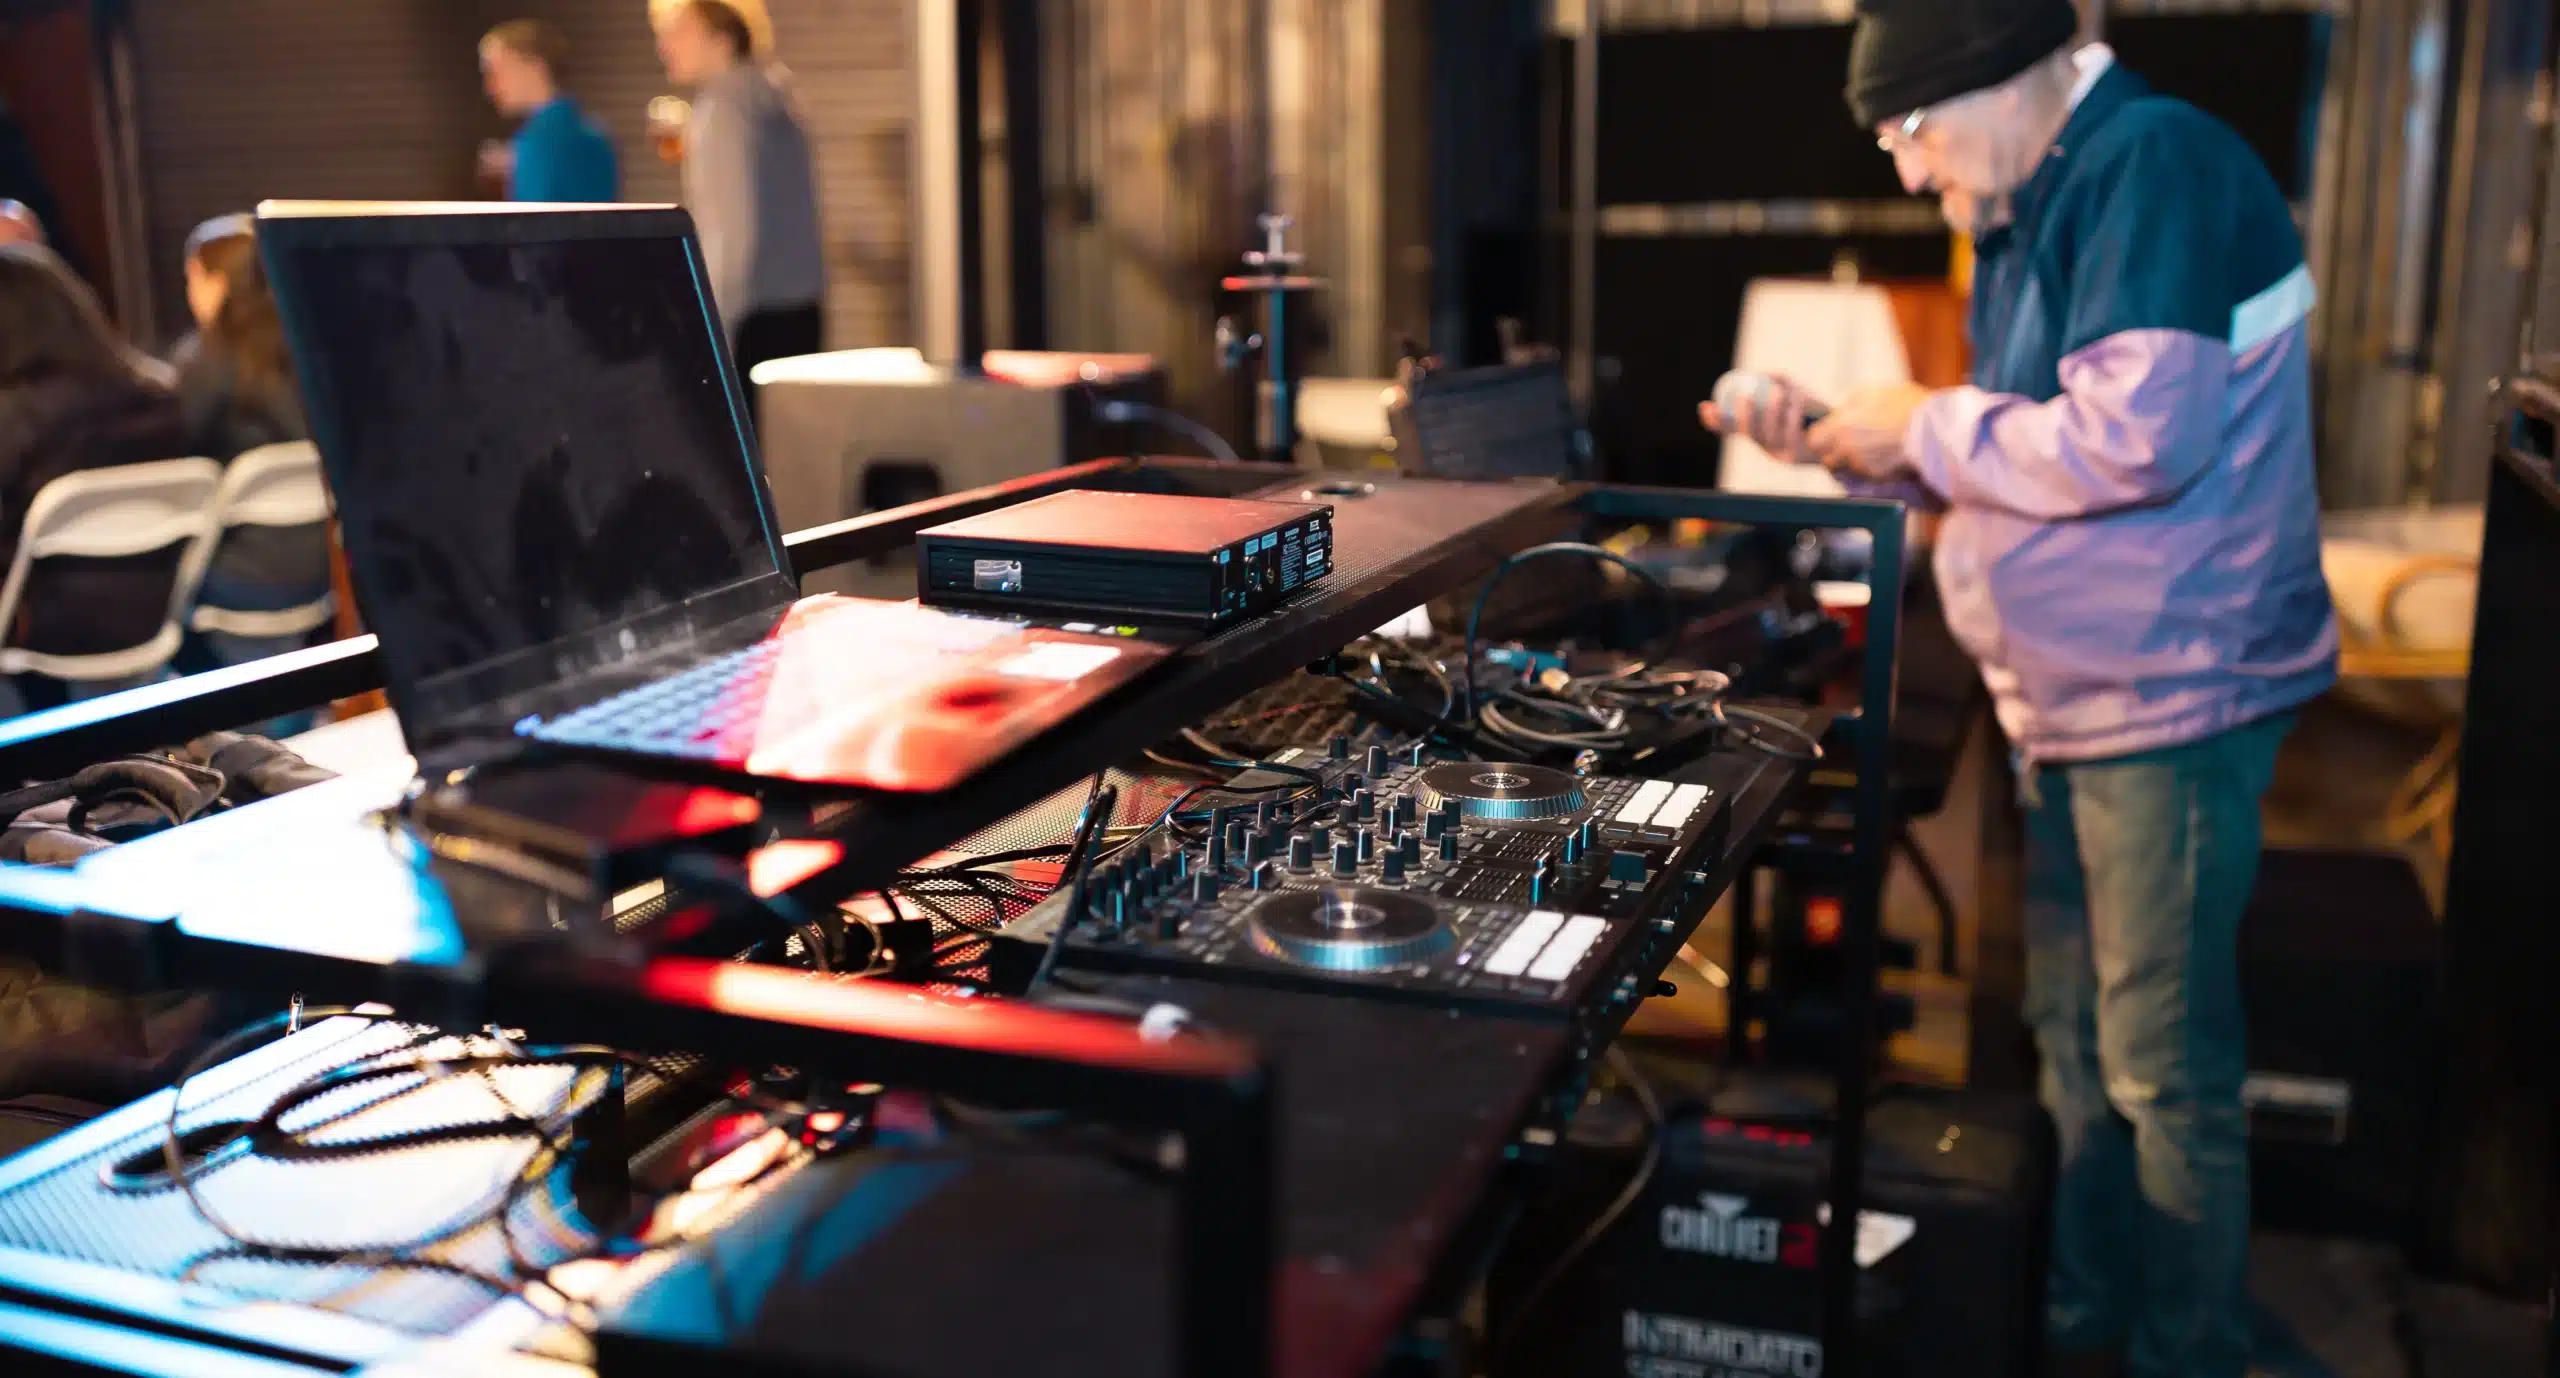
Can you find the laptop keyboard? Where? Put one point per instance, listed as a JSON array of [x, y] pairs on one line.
[[710, 711], [715, 710]]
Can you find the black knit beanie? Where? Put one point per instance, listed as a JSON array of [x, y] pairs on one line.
[[1911, 53]]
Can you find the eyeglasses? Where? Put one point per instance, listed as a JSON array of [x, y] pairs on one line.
[[1906, 137]]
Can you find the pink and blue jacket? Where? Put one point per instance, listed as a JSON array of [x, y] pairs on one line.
[[2132, 545]]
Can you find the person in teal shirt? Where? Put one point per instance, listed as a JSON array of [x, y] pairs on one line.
[[560, 153]]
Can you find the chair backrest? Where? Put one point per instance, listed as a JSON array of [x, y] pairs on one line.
[[128, 509], [1495, 422], [273, 485]]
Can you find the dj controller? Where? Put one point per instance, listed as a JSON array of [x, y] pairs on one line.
[[1500, 887]]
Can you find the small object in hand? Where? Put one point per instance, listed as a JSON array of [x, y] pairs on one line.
[[668, 116], [1761, 392], [497, 160]]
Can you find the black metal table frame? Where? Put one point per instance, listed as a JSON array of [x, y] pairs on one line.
[[1230, 1109], [1870, 732], [1214, 1091]]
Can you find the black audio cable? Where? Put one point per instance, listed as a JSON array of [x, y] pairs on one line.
[[1642, 1089], [552, 1130], [701, 872], [1099, 806], [1121, 412], [1728, 714], [1475, 616]]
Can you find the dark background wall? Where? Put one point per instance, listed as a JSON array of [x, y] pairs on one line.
[[241, 100], [49, 144]]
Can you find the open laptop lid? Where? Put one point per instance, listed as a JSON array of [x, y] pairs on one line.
[[537, 442], [1502, 421]]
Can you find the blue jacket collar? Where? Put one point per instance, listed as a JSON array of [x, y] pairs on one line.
[[557, 107], [2114, 91]]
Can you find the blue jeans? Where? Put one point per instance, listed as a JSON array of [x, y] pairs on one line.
[[2138, 870]]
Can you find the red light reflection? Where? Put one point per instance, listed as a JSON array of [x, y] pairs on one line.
[[777, 866], [903, 1013]]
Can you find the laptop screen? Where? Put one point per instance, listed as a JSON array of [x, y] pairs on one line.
[[1499, 422], [531, 439]]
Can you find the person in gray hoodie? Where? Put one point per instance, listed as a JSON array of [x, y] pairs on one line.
[[750, 183]]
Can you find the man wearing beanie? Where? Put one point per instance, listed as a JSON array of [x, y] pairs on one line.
[[2131, 550]]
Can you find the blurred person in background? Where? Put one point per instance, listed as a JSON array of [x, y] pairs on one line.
[[236, 388], [2132, 552], [751, 186], [560, 153], [74, 396], [18, 225]]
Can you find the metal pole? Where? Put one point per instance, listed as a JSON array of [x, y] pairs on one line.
[[934, 208], [1862, 943], [1585, 155], [1026, 191], [969, 140], [1284, 387]]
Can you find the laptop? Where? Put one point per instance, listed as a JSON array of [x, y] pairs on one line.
[[557, 528]]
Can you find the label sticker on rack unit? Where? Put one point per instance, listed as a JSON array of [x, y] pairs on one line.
[[1058, 660]]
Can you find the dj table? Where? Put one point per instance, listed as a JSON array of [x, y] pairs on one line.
[[1345, 1163]]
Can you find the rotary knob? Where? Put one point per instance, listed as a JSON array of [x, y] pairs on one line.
[[1449, 845], [1572, 848], [1409, 848], [1367, 846], [1204, 888], [1266, 876], [1375, 762], [1434, 826], [1346, 860], [1391, 868], [1302, 853], [1404, 811], [1364, 805], [1340, 750]]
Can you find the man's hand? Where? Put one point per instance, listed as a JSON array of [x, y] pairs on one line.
[[18, 225], [497, 160], [1774, 421], [1862, 437]]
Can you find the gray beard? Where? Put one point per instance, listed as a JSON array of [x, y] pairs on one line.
[[1987, 216]]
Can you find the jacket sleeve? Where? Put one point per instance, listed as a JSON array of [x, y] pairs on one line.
[[719, 188], [1909, 492], [2146, 356], [537, 169]]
